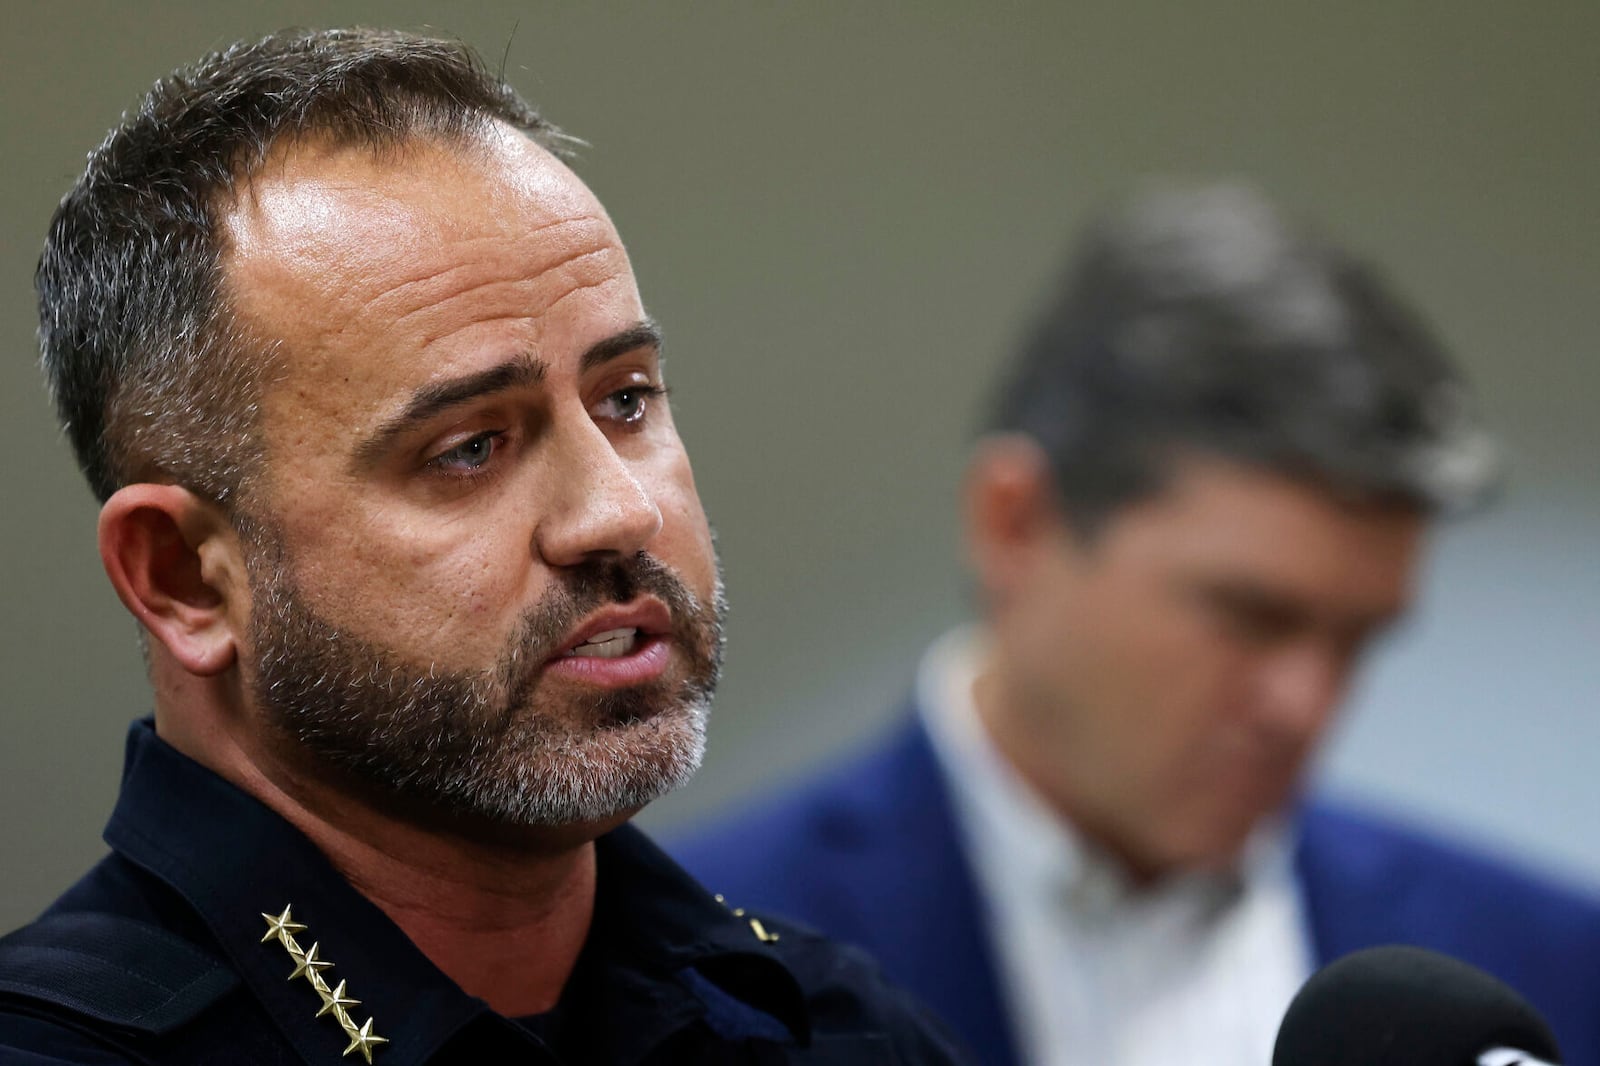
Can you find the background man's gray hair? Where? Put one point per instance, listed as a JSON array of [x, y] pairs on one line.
[[152, 375], [1200, 321]]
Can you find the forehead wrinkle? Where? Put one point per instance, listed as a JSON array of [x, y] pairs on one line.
[[478, 286], [462, 260], [578, 289]]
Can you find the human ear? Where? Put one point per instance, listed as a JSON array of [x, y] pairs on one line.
[[1008, 506], [175, 563]]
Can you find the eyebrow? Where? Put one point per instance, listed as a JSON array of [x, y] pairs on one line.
[[520, 371], [645, 335]]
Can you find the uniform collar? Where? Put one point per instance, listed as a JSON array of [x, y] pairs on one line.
[[234, 860]]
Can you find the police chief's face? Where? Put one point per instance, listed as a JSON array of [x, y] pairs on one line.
[[481, 576], [1176, 670]]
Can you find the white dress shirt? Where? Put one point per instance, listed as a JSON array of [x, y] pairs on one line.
[[1193, 971]]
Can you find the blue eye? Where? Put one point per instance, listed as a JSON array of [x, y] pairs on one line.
[[628, 405], [469, 454]]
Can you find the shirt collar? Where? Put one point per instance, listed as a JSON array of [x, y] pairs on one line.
[[1004, 817], [234, 860], [1000, 813]]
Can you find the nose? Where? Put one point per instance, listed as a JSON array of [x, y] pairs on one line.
[[1299, 686], [595, 504]]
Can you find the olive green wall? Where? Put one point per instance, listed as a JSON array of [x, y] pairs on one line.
[[841, 214]]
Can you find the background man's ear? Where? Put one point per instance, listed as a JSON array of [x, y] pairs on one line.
[[175, 561], [1009, 509]]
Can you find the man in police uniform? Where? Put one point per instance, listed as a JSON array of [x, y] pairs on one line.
[[361, 374]]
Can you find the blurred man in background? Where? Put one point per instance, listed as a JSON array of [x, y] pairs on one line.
[[1203, 495]]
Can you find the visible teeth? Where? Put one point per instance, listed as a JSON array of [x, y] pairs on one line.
[[612, 644]]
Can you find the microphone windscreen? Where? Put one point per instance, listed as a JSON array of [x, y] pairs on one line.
[[1398, 1005]]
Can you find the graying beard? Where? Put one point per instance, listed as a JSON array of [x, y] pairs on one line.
[[454, 741], [592, 778]]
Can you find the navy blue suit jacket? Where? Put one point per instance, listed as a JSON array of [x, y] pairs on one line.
[[869, 853]]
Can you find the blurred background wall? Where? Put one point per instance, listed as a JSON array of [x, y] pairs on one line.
[[842, 214]]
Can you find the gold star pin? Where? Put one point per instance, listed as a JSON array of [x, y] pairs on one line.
[[335, 1000], [308, 964], [282, 928], [762, 933], [364, 1040]]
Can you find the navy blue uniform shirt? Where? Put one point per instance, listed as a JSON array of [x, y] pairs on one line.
[[164, 953]]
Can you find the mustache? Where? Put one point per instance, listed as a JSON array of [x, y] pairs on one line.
[[585, 588]]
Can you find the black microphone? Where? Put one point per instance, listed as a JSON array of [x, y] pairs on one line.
[[1405, 1006]]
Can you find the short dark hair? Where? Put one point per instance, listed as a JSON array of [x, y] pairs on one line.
[[152, 375], [1197, 320]]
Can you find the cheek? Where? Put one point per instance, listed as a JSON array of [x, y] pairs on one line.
[[1185, 668], [384, 578], [1162, 686]]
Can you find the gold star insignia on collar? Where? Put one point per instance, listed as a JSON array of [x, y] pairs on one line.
[[283, 928], [364, 1040], [762, 933], [308, 964], [334, 1000]]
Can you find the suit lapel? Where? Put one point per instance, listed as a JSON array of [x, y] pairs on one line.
[[913, 894]]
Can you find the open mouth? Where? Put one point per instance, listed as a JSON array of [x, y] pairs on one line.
[[611, 644], [620, 646]]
